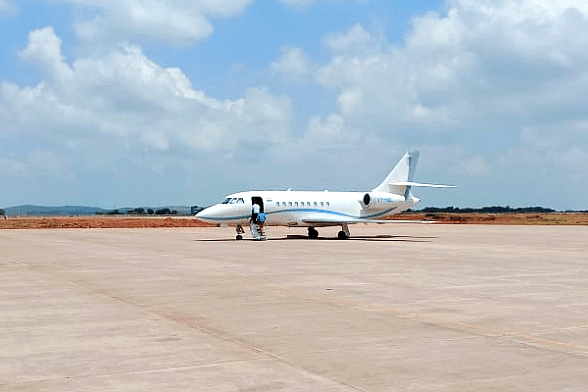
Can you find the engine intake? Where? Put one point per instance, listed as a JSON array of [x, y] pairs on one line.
[[367, 199]]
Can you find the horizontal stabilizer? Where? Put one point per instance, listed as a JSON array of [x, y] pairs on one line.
[[409, 183]]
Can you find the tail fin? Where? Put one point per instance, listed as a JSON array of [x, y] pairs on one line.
[[403, 172]]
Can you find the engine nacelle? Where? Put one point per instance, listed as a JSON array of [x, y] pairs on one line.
[[379, 200]]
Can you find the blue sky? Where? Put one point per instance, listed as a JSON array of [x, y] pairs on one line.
[[174, 102]]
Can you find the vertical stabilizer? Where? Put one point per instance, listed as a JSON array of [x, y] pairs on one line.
[[402, 172]]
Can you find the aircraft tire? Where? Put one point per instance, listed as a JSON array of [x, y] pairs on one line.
[[239, 237], [313, 233], [341, 235]]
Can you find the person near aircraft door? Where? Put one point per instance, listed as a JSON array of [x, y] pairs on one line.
[[255, 212]]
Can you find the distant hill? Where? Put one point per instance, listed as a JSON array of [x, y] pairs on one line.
[[30, 210], [41, 210]]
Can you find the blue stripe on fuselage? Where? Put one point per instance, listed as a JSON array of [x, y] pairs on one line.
[[381, 213]]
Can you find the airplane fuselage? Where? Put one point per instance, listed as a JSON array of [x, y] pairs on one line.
[[291, 208]]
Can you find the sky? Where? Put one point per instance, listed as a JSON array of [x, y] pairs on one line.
[[115, 103]]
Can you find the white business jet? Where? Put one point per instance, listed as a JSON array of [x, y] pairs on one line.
[[320, 209]]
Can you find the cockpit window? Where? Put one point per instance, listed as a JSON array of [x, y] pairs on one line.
[[233, 200], [226, 201], [240, 200]]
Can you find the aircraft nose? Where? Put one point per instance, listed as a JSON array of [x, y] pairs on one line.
[[210, 214], [203, 215]]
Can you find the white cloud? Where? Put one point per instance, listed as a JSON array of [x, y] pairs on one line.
[[8, 7], [476, 167], [47, 164], [304, 4], [298, 4], [294, 64], [328, 133], [494, 65], [330, 129], [356, 41], [560, 148], [37, 163], [125, 97], [174, 21], [350, 101], [12, 167]]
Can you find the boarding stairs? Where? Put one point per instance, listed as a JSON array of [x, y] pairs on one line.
[[257, 231]]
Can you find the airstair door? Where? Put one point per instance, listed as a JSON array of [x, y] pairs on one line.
[[259, 201], [256, 228]]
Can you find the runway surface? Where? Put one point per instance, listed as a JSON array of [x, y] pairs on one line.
[[396, 308]]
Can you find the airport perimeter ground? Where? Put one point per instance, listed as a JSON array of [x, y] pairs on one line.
[[429, 307]]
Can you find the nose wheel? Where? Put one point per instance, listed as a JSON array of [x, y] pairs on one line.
[[240, 232]]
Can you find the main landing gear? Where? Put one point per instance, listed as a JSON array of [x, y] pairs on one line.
[[342, 235], [240, 232], [312, 233]]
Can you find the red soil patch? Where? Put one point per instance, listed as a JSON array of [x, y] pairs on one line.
[[556, 218], [93, 222]]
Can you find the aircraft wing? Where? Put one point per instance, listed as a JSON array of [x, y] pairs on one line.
[[329, 219]]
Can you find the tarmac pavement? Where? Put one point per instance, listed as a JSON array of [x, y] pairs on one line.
[[407, 307]]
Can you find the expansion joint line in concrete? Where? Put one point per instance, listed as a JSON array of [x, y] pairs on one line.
[[223, 336], [147, 371], [489, 332]]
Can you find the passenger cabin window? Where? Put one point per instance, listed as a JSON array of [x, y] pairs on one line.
[[328, 204], [315, 204], [308, 204], [277, 203], [289, 204], [296, 204], [283, 204], [322, 204]]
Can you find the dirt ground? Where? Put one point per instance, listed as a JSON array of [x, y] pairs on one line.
[[92, 222], [503, 219]]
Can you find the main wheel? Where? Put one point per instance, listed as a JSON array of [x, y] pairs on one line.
[[313, 233], [341, 235], [239, 237]]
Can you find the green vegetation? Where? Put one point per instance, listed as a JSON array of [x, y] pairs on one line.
[[489, 210]]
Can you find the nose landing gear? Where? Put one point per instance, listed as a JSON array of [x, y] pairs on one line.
[[240, 232]]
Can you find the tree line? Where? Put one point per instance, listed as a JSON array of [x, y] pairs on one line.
[[148, 211], [488, 210]]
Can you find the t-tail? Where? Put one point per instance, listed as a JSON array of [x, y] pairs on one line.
[[399, 180]]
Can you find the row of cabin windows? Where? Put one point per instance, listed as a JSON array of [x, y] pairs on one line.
[[302, 204], [307, 204]]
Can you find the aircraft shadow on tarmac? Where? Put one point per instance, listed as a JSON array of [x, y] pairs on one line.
[[381, 237]]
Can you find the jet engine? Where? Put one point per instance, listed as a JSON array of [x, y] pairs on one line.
[[367, 199], [378, 200]]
